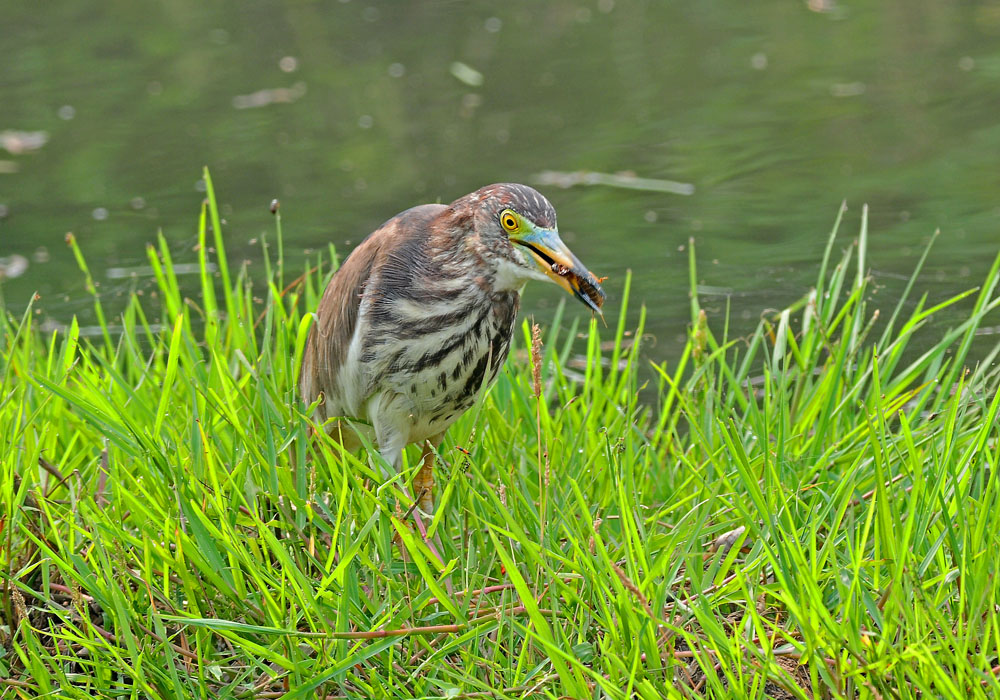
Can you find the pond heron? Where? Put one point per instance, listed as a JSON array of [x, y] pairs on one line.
[[419, 318]]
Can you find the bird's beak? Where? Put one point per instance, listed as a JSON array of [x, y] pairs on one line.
[[558, 262]]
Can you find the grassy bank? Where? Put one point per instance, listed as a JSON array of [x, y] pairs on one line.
[[811, 511]]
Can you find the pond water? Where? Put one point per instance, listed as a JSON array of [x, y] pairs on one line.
[[773, 112]]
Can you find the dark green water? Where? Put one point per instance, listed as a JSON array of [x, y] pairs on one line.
[[773, 111]]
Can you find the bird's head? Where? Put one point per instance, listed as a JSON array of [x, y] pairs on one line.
[[517, 229]]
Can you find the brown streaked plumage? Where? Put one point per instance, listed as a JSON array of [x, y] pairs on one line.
[[420, 316]]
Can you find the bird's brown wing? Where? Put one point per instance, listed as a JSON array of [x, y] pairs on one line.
[[335, 321], [336, 318]]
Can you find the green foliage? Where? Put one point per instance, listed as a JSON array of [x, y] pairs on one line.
[[807, 512]]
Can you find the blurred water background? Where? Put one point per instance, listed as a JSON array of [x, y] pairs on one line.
[[754, 120]]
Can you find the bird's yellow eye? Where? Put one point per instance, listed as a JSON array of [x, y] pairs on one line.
[[508, 220]]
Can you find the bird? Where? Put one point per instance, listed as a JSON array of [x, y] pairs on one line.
[[418, 319]]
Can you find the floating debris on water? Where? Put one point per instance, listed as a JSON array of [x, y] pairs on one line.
[[117, 273], [847, 89], [18, 142], [466, 74], [262, 98], [13, 266], [50, 325], [625, 180]]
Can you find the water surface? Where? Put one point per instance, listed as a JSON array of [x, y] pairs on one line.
[[775, 113]]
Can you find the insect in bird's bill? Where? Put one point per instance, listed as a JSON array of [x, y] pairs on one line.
[[419, 318]]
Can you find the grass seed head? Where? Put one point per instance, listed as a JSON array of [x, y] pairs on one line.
[[20, 609], [536, 359]]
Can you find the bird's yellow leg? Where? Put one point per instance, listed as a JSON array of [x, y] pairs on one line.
[[423, 481], [423, 490]]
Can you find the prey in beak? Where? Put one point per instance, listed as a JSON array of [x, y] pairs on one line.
[[557, 261]]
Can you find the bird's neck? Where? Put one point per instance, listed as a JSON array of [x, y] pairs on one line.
[[499, 272], [509, 277]]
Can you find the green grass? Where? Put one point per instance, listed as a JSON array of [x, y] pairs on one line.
[[811, 511]]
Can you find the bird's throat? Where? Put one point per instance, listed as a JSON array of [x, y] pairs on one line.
[[511, 277]]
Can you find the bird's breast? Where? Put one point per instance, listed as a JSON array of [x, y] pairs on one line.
[[439, 350]]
